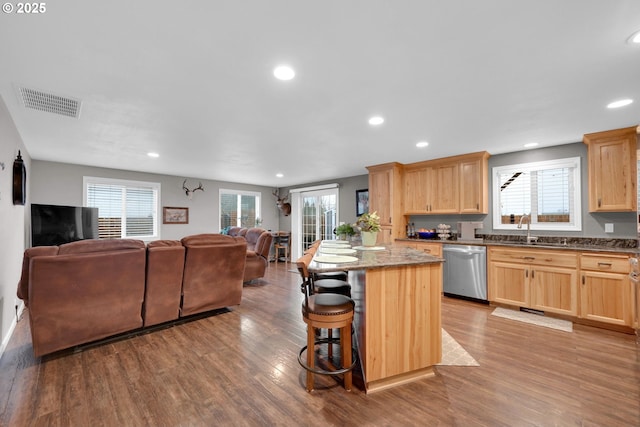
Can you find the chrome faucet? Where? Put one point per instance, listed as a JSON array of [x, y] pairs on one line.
[[529, 238]]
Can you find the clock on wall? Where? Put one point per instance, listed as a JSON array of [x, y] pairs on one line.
[[19, 181]]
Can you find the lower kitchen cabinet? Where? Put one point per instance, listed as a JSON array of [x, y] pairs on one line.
[[605, 290], [538, 279]]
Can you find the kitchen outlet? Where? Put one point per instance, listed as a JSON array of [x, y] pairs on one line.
[[608, 228]]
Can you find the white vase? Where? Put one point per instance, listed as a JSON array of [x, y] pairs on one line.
[[369, 238]]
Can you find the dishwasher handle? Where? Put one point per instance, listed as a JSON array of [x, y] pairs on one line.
[[480, 250]]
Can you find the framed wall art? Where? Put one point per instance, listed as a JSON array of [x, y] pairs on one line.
[[173, 215], [362, 201]]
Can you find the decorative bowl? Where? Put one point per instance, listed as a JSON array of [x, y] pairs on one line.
[[426, 234]]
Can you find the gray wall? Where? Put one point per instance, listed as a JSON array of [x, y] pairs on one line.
[[347, 200], [625, 223], [14, 223], [61, 184]]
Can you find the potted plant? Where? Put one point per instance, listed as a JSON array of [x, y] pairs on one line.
[[369, 224], [343, 231]]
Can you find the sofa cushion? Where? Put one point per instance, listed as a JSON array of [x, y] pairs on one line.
[[102, 245], [165, 266]]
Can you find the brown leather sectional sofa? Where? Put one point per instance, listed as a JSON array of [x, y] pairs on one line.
[[92, 289]]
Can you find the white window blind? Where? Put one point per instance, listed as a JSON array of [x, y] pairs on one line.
[[548, 191], [126, 209]]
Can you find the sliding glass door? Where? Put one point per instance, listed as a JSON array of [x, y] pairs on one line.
[[319, 215]]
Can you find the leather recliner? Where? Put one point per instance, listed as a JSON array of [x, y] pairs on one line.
[[82, 291], [213, 272], [258, 246]]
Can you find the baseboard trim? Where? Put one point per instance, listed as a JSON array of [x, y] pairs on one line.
[[12, 328]]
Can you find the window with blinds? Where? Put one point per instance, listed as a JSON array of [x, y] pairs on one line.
[[126, 209], [239, 209], [548, 191]]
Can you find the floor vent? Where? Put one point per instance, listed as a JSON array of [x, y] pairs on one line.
[[50, 103]]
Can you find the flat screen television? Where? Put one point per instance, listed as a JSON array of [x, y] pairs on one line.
[[55, 225]]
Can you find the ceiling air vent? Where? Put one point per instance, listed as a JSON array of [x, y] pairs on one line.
[[43, 101]]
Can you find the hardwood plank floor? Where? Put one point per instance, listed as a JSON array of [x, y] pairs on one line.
[[240, 368]]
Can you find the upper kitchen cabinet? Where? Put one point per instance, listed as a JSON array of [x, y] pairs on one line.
[[385, 197], [451, 185], [612, 170], [474, 184]]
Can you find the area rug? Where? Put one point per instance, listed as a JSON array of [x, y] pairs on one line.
[[453, 354], [534, 319]]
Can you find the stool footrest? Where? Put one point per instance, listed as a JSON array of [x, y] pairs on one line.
[[324, 371]]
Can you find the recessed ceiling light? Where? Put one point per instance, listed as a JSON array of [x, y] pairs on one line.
[[634, 38], [279, 175], [530, 144], [376, 120], [620, 103], [284, 72], [154, 155], [422, 144]]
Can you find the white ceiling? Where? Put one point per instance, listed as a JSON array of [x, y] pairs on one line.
[[193, 81]]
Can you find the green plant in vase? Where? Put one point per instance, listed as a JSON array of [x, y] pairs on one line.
[[343, 231]]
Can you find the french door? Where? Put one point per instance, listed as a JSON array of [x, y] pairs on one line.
[[316, 214]]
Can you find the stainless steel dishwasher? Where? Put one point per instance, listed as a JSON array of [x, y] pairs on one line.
[[465, 272]]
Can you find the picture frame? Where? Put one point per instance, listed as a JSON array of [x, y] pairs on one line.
[[362, 201], [175, 215]]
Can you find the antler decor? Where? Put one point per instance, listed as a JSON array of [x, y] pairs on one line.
[[284, 207], [188, 192]]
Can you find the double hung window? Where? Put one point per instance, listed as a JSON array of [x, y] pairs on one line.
[[547, 191], [239, 209], [126, 209]]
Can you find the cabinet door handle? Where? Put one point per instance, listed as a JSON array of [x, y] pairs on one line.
[[528, 258], [605, 264], [583, 279], [526, 274], [599, 202], [477, 206], [533, 274]]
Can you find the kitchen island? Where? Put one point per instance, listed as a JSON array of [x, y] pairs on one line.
[[397, 292]]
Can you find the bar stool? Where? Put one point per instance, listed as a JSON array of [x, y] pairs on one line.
[[331, 284], [326, 311]]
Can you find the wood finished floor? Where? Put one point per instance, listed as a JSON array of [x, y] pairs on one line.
[[240, 369]]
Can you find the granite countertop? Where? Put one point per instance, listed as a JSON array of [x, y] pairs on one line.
[[385, 256], [577, 244]]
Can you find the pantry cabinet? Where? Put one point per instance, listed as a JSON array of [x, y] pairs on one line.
[[612, 170], [606, 292], [537, 279], [385, 198]]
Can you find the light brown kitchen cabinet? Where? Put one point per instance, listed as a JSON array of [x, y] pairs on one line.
[[451, 185], [444, 181], [606, 294], [474, 184], [612, 170], [531, 278], [385, 198], [416, 183]]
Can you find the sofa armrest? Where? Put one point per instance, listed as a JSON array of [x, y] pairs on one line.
[[29, 254]]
